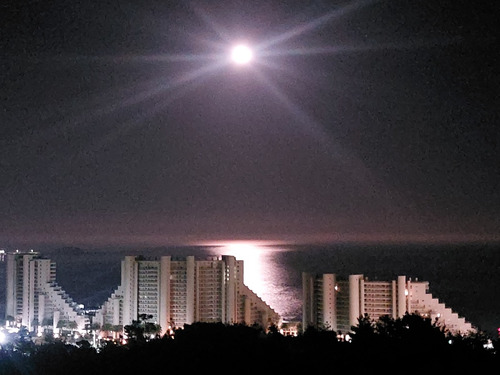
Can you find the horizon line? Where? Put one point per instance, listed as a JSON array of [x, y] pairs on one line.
[[283, 240]]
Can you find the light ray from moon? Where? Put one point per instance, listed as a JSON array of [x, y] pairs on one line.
[[350, 163], [240, 54], [314, 24]]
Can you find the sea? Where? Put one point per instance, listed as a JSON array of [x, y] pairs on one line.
[[465, 277]]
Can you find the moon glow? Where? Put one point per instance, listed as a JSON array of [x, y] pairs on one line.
[[241, 54]]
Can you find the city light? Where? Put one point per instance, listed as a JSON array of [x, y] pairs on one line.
[[3, 338]]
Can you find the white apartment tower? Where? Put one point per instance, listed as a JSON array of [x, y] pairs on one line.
[[183, 291], [336, 304], [33, 297]]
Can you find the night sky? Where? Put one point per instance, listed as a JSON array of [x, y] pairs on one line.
[[123, 122]]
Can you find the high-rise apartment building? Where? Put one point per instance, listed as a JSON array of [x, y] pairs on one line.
[[33, 297], [183, 291], [333, 303]]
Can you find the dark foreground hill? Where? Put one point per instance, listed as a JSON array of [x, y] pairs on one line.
[[410, 345]]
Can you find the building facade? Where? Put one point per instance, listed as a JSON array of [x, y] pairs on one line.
[[33, 297], [174, 292], [336, 304]]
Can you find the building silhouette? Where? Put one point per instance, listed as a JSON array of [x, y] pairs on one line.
[[174, 292], [33, 297], [334, 303]]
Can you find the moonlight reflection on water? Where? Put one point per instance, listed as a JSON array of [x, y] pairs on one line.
[[265, 276]]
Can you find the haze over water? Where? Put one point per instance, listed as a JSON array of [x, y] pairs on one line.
[[464, 277]]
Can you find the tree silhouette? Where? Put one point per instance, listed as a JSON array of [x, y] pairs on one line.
[[409, 344], [141, 330]]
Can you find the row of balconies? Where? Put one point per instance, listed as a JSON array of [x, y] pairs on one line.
[[209, 306], [148, 306], [367, 286], [148, 285], [209, 301], [378, 294], [147, 292], [177, 310], [203, 300], [178, 270], [178, 293], [378, 303], [155, 290], [373, 312], [209, 275], [206, 280], [212, 286], [147, 297], [210, 290], [378, 300], [208, 293], [210, 283]]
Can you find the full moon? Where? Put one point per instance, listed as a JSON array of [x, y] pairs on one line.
[[241, 54]]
